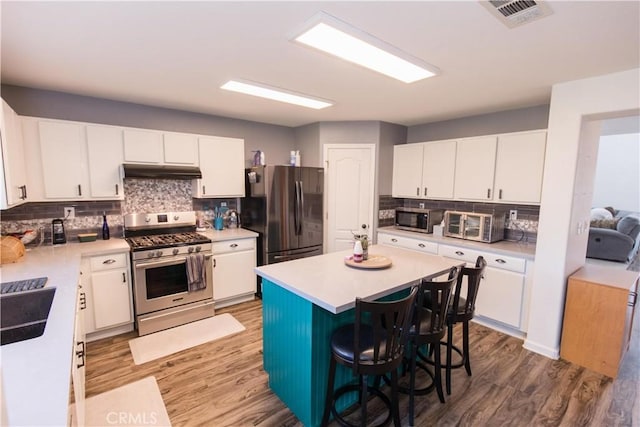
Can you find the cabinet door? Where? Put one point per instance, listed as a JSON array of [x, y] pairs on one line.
[[13, 168], [475, 166], [222, 166], [500, 296], [233, 274], [111, 298], [407, 170], [105, 154], [519, 167], [438, 169], [181, 149], [142, 146], [63, 153]]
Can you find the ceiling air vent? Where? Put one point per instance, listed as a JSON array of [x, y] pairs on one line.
[[514, 13]]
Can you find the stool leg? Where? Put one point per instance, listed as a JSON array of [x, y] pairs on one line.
[[449, 348], [412, 380], [437, 367], [363, 402], [329, 399], [395, 405], [465, 346]]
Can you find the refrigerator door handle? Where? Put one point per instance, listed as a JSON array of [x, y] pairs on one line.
[[296, 212], [301, 208]]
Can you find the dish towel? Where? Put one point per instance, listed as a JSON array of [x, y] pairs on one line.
[[196, 272]]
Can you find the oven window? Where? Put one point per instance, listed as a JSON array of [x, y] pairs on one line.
[[163, 281], [472, 226], [454, 224]]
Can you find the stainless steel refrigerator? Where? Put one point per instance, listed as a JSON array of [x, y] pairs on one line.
[[284, 205]]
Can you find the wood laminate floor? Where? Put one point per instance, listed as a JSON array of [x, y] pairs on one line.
[[223, 384]]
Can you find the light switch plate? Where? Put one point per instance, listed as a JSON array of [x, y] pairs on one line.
[[513, 214]]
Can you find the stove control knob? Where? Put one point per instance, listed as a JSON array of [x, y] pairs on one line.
[[198, 248], [176, 217], [175, 251], [159, 254], [147, 218], [190, 249], [150, 255]]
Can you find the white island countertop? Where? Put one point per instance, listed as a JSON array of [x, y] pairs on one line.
[[326, 281], [36, 373]]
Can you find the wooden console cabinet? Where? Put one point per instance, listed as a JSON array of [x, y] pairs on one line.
[[598, 317]]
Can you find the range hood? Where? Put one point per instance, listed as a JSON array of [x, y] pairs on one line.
[[131, 170]]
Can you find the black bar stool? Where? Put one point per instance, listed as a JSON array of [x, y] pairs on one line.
[[373, 345], [430, 320], [462, 311]]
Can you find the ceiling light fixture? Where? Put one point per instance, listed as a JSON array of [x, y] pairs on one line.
[[330, 35], [276, 94]]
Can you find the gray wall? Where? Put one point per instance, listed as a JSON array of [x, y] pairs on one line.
[[275, 141], [308, 142], [390, 135], [487, 124]]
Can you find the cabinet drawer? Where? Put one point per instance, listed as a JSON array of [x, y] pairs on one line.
[[107, 262], [233, 245], [502, 262], [408, 243]]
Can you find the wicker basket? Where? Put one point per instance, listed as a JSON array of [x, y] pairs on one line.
[[11, 249]]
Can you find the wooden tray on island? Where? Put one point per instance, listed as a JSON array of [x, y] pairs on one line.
[[374, 262]]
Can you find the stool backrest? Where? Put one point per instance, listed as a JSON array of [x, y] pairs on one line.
[[474, 276], [433, 303], [389, 323]]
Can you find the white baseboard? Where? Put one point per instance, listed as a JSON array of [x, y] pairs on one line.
[[551, 353]]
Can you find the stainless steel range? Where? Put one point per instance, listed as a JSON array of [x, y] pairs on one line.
[[165, 253]]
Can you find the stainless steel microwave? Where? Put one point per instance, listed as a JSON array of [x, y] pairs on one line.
[[420, 220], [475, 226]]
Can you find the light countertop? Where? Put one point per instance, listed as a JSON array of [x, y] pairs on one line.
[[228, 234], [326, 281], [36, 373], [503, 247]]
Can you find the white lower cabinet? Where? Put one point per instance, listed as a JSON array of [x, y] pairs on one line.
[[234, 278], [109, 298], [407, 243], [501, 296], [76, 415]]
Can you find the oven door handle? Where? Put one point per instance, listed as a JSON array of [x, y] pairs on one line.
[[172, 261]]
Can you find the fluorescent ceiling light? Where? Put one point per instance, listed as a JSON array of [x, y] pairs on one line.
[[281, 95], [344, 41]]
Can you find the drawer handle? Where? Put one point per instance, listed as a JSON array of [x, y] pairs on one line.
[[421, 245], [394, 240], [109, 261], [233, 245], [459, 253], [501, 261]]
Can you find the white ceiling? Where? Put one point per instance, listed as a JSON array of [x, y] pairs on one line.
[[177, 54]]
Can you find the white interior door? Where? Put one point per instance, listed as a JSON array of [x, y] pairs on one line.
[[350, 190]]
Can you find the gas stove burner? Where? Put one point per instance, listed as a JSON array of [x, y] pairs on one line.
[[157, 241]]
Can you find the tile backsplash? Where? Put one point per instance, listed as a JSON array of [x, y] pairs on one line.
[[525, 228], [141, 195]]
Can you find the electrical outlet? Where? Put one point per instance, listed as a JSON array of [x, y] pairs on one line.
[[223, 204], [421, 205], [513, 214], [69, 213]]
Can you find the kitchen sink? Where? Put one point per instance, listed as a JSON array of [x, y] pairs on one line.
[[24, 314]]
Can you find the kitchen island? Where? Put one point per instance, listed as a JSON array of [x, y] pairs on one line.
[[305, 300]]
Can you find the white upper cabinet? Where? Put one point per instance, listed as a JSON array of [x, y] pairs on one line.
[[63, 156], [222, 166], [13, 191], [424, 170], [181, 149], [143, 146], [475, 166], [519, 167], [407, 170], [438, 169], [105, 155]]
